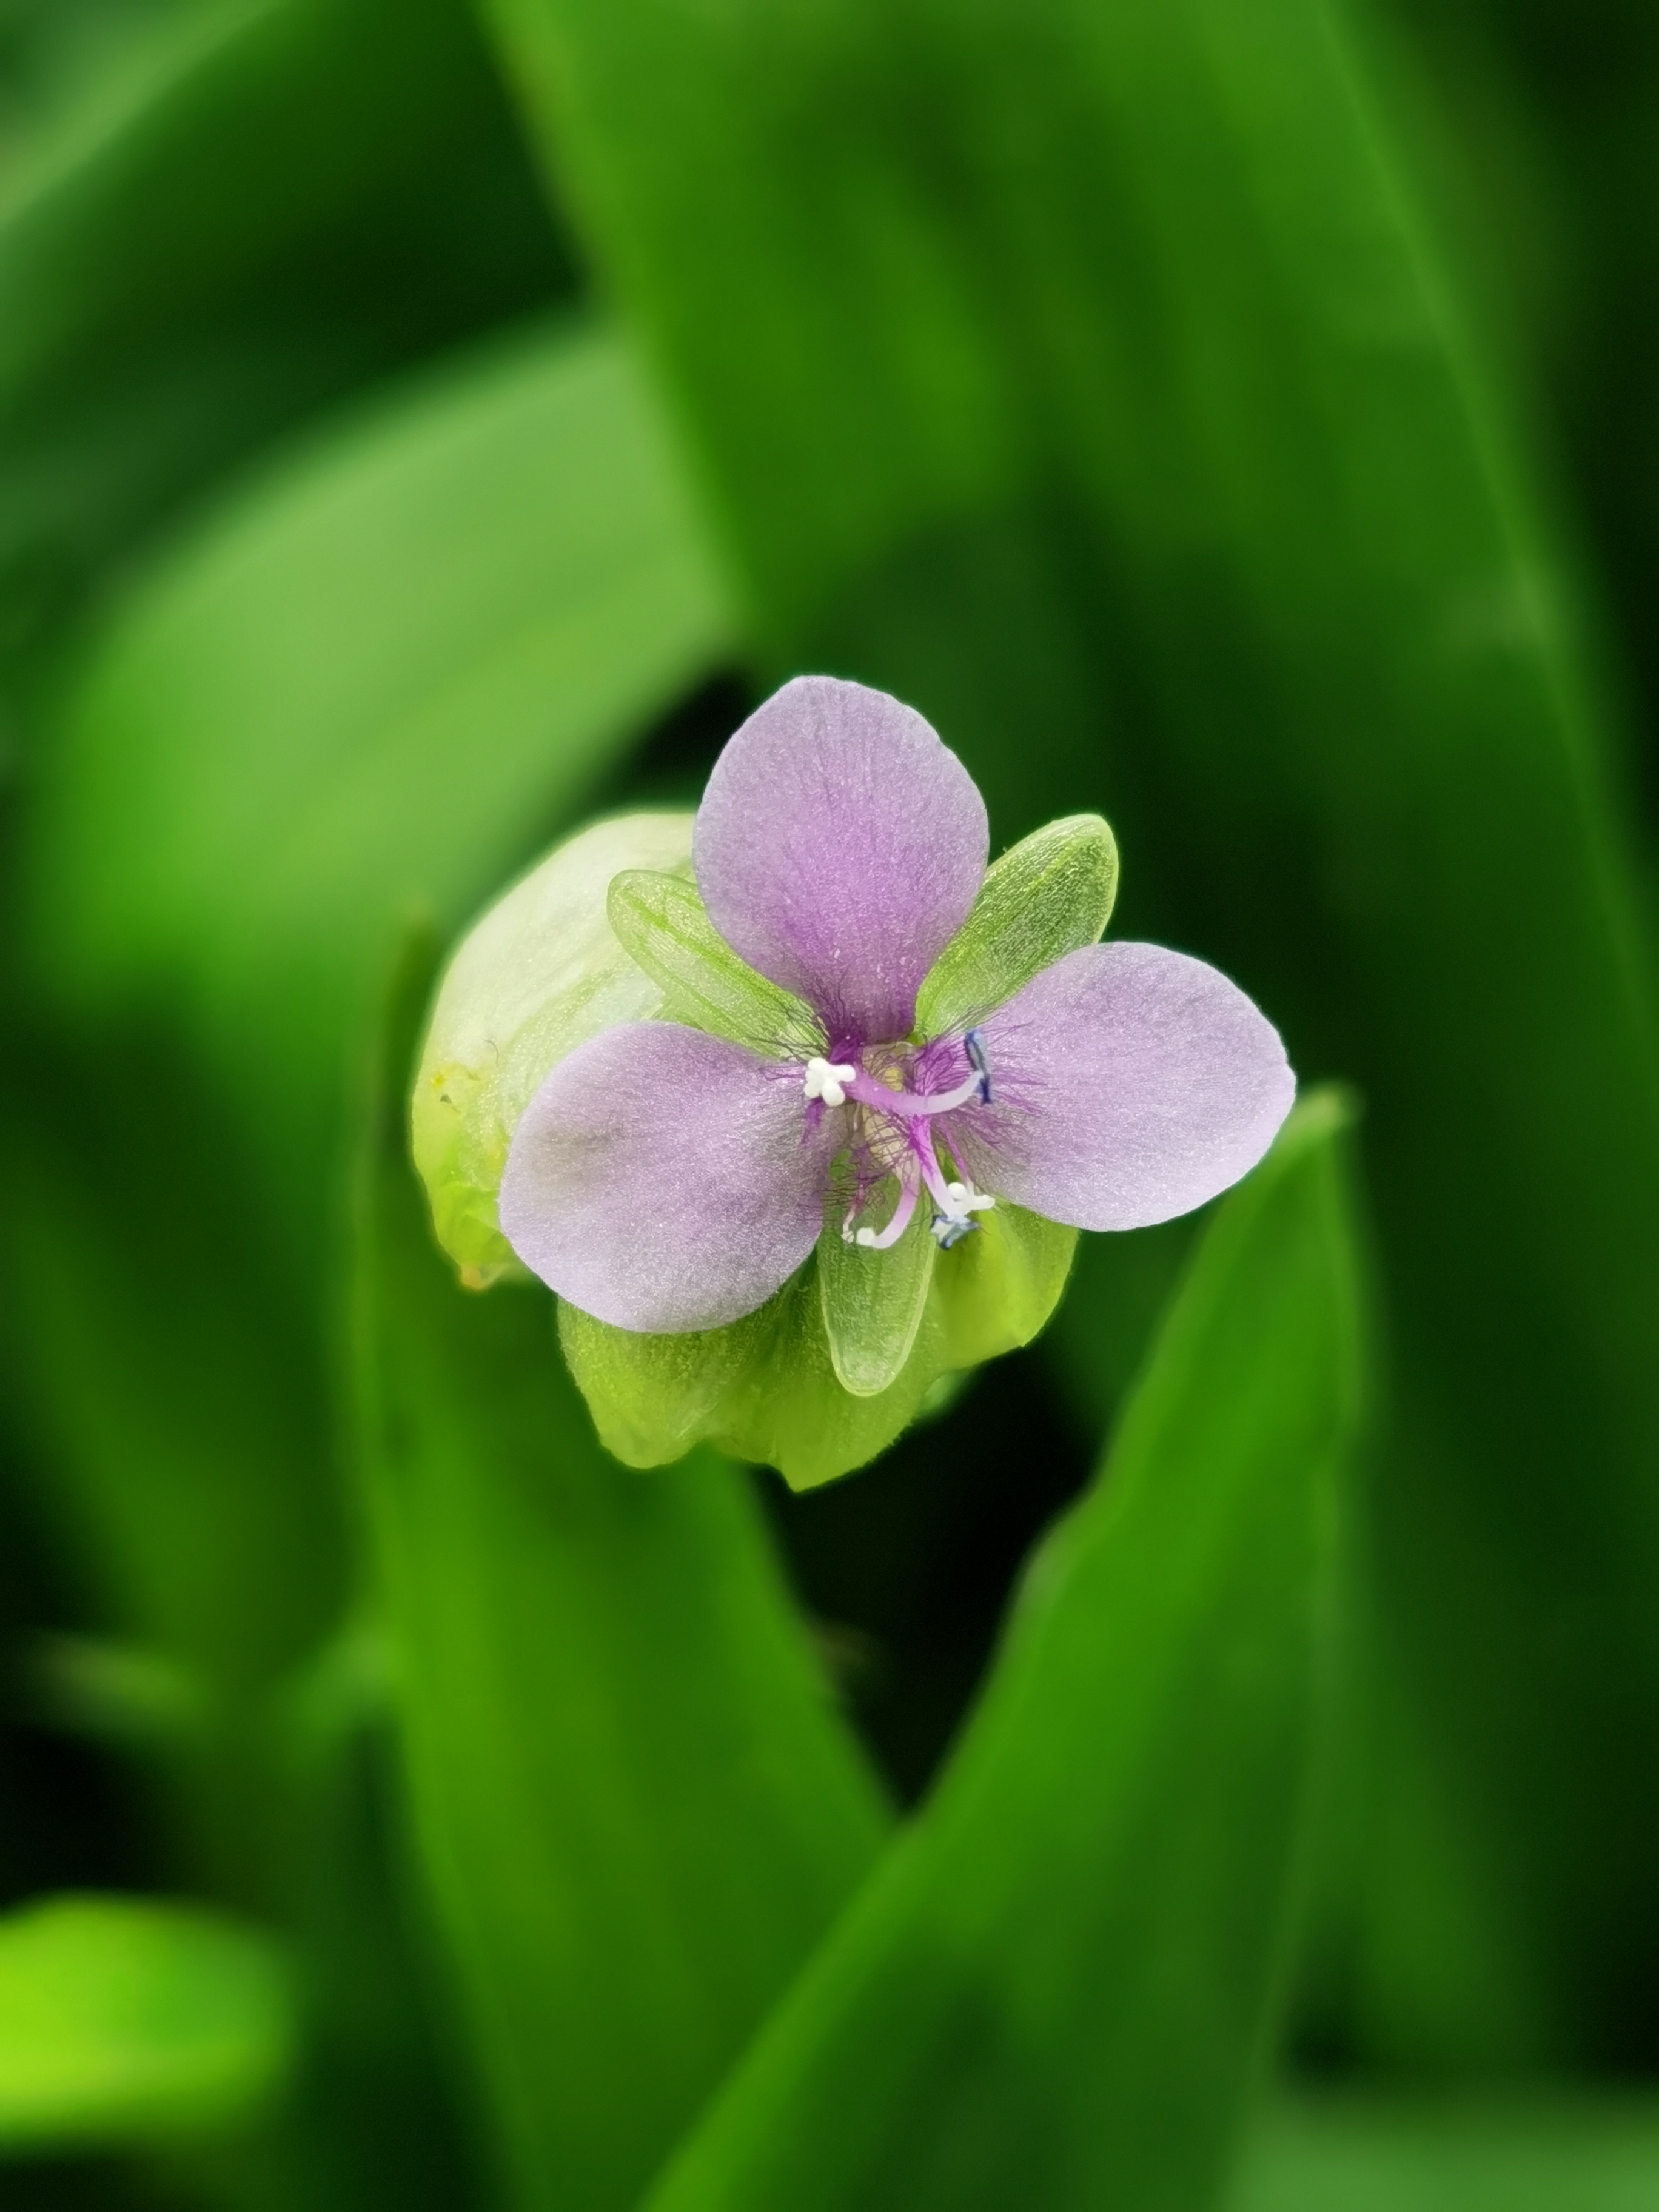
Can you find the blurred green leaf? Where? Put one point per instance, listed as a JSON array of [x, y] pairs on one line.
[[634, 1808], [1551, 2153], [123, 2022], [376, 679], [378, 675], [1092, 377], [1053, 1992], [162, 1367], [372, 681], [1119, 1287], [119, 1693], [241, 210], [1545, 129]]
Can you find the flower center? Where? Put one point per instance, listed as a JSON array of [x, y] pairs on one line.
[[897, 1134]]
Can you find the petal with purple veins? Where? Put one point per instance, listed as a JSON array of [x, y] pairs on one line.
[[658, 1179], [838, 847], [1129, 1084]]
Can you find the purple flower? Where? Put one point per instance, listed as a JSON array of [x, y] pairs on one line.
[[665, 1180]]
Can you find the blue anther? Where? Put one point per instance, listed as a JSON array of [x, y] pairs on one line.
[[949, 1228], [979, 1060]]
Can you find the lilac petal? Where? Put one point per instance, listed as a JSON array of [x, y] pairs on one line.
[[1129, 1084], [838, 849], [657, 1179]]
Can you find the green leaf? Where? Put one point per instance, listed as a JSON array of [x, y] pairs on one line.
[[185, 238], [872, 1303], [377, 676], [1053, 1991], [1134, 429], [125, 2022], [372, 681], [1556, 164], [1051, 894], [1543, 2152], [662, 921], [1118, 1290], [767, 1388], [538, 975], [635, 1807]]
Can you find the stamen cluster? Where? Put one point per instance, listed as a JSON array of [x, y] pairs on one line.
[[898, 1134]]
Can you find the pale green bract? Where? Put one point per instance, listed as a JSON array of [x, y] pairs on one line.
[[768, 1387], [611, 928], [539, 975]]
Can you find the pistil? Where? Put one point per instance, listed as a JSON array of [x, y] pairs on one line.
[[879, 1240]]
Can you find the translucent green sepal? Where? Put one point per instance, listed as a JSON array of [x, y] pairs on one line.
[[542, 972], [662, 922], [767, 1388], [872, 1303], [1045, 897]]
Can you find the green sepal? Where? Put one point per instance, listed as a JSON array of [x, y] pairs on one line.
[[661, 919], [654, 1397], [766, 1388], [1046, 896], [1001, 1285], [540, 973], [872, 1301]]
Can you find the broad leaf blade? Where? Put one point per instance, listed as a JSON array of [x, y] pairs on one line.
[[634, 1808], [1053, 1991], [378, 677]]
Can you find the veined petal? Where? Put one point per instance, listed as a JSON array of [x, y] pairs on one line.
[[838, 847], [658, 1179], [1129, 1084]]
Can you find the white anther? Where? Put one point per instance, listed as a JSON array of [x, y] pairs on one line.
[[866, 1237], [826, 1079], [966, 1200]]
